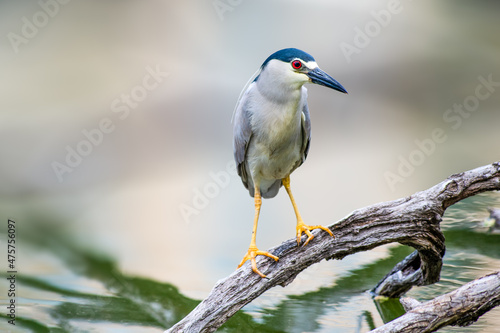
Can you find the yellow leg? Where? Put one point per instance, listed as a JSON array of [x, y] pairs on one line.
[[253, 251], [301, 226]]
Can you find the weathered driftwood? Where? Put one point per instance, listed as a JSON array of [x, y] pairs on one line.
[[461, 307], [412, 221], [403, 276]]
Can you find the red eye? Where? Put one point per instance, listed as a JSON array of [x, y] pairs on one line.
[[296, 64]]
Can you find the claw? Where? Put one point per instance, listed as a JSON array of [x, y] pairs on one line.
[[304, 228], [253, 252]]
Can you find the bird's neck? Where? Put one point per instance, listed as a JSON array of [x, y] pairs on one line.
[[278, 91], [277, 116]]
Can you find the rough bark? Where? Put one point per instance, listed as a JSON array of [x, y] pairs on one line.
[[461, 307], [412, 221]]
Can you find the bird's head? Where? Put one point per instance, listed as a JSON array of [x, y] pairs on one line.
[[293, 67]]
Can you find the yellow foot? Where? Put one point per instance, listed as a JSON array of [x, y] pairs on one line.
[[253, 251], [302, 227]]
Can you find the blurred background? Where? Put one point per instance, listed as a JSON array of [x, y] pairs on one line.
[[116, 150]]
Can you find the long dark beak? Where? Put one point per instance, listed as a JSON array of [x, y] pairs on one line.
[[318, 76]]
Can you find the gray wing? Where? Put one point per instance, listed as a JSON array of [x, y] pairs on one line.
[[242, 133], [306, 136], [306, 132]]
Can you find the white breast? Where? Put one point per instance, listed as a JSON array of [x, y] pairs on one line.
[[277, 135]]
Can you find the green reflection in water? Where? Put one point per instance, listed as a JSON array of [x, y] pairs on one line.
[[389, 308], [144, 303], [300, 313], [131, 300]]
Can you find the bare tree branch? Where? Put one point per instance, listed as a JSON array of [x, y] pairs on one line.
[[412, 221], [461, 307]]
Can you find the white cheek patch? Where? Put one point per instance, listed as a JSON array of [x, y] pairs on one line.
[[311, 64]]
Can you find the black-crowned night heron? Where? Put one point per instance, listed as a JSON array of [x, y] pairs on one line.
[[272, 132]]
